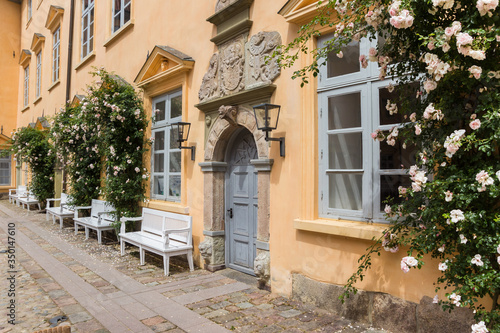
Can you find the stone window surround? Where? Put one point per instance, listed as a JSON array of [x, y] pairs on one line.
[[214, 169]]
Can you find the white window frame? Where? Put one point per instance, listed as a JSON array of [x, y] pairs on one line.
[[38, 87], [365, 82], [120, 14], [26, 85], [7, 160], [56, 53], [30, 9], [164, 126], [87, 42]]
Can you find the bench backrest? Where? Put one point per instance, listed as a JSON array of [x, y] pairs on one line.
[[99, 206], [156, 221], [21, 190], [66, 200]]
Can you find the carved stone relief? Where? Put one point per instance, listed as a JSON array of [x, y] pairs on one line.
[[232, 66], [229, 113], [260, 47], [262, 268], [221, 4], [209, 84]]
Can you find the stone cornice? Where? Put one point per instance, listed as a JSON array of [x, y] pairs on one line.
[[255, 94]]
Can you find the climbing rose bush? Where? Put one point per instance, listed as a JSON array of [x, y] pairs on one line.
[[32, 146], [101, 141], [445, 53]]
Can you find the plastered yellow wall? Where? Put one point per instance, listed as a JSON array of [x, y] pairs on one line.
[[182, 25], [10, 26]]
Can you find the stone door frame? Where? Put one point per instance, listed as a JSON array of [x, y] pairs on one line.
[[214, 168]]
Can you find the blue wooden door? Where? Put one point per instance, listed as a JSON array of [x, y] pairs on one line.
[[241, 204]]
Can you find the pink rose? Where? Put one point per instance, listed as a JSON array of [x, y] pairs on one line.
[[475, 124]]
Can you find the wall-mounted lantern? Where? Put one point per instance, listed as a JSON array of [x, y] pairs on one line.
[[182, 135], [266, 116]]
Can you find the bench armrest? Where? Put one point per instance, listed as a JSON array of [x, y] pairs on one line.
[[173, 231], [127, 219], [12, 190], [77, 208], [102, 213], [50, 200]]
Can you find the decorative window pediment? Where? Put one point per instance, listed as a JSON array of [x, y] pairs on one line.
[[163, 63], [36, 43], [77, 99], [299, 11], [42, 123], [25, 57], [54, 17]]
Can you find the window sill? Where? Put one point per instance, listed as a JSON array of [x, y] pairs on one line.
[[54, 85], [85, 60], [168, 206], [352, 229], [127, 26], [37, 100], [25, 108]]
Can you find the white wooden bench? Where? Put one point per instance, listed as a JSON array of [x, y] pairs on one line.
[[63, 211], [20, 191], [100, 218], [166, 234], [28, 200]]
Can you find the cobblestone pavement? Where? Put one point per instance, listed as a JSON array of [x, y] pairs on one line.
[[42, 294]]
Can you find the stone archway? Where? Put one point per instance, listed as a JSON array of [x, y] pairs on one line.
[[214, 167]]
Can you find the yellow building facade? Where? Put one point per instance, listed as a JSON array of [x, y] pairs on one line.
[[298, 222]]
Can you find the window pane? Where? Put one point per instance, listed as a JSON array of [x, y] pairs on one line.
[[395, 157], [385, 117], [159, 140], [348, 64], [344, 111], [176, 107], [174, 189], [174, 144], [389, 188], [345, 191], [175, 162], [159, 162], [126, 14], [118, 6], [345, 151], [160, 111], [159, 185], [116, 23]]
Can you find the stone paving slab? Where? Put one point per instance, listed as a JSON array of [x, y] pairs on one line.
[[102, 291]]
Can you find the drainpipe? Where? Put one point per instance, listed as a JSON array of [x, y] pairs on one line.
[[68, 74], [70, 48]]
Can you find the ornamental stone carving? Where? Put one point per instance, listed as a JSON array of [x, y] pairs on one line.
[[262, 268], [260, 47], [229, 113], [205, 248], [221, 4], [209, 84], [232, 63]]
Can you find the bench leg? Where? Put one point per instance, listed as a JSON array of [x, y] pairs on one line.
[[28, 205], [142, 254], [47, 215], [39, 208], [122, 247], [61, 222], [166, 261], [99, 237], [87, 232], [190, 260], [76, 229]]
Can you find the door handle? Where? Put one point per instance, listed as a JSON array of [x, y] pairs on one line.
[[230, 211]]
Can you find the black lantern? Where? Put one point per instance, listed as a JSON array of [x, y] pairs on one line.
[[182, 136], [266, 117]]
